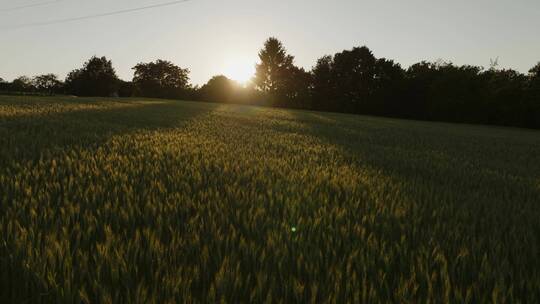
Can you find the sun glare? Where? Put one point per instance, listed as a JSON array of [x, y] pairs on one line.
[[239, 70]]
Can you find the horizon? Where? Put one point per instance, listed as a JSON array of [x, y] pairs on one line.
[[467, 34]]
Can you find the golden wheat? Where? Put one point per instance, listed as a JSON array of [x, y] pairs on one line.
[[134, 201]]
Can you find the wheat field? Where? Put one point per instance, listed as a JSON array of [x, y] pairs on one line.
[[155, 201]]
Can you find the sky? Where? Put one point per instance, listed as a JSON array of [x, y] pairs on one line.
[[211, 37]]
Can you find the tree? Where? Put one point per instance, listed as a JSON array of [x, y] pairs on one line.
[[535, 71], [47, 83], [533, 96], [125, 89], [161, 79], [388, 89], [96, 78], [278, 78], [22, 84], [504, 99], [418, 81], [534, 83], [270, 71], [4, 85], [323, 85], [354, 81], [220, 89], [354, 74], [297, 87]]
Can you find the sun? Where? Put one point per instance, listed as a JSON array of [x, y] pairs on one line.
[[241, 70]]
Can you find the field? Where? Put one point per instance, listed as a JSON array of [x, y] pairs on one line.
[[153, 201]]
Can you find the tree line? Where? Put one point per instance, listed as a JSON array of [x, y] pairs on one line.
[[352, 81]]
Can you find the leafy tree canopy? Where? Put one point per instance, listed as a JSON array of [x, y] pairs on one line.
[[219, 89], [160, 79], [273, 66], [47, 83], [96, 78], [535, 71], [22, 84], [277, 76]]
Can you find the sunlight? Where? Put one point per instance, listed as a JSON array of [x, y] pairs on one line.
[[239, 69]]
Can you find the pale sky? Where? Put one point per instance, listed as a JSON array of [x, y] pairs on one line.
[[213, 37]]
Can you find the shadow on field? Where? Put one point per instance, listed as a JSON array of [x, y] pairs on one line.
[[413, 145], [27, 137], [468, 169], [468, 162]]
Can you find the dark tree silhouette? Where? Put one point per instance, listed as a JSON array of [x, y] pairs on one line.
[[419, 78], [276, 76], [296, 88], [441, 90], [96, 78], [354, 75], [47, 83], [354, 81], [535, 71], [126, 89], [323, 85], [388, 89], [270, 71], [161, 79], [220, 89], [504, 100], [533, 96], [534, 83], [4, 85], [22, 84]]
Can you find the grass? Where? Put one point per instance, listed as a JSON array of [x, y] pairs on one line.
[[126, 200]]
